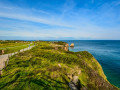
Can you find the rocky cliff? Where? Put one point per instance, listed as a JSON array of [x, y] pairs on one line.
[[89, 71]]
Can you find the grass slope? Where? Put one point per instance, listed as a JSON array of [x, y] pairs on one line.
[[45, 68]]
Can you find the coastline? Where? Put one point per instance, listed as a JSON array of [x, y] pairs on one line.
[[53, 60], [107, 54]]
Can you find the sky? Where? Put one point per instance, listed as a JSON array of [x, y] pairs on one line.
[[59, 19]]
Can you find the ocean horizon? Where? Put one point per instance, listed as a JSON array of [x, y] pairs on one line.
[[106, 52]]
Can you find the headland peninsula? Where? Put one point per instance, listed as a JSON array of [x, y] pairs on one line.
[[49, 66]]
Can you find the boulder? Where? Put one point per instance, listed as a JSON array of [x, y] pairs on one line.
[[75, 79]]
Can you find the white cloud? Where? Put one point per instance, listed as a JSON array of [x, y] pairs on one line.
[[30, 15], [82, 23]]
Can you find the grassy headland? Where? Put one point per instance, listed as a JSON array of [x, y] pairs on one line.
[[48, 66]]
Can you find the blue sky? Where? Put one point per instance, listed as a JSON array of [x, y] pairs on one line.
[[60, 19]]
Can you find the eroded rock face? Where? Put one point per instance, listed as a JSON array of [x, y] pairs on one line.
[[72, 45], [66, 47]]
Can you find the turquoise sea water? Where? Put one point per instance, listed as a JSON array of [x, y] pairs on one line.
[[107, 52]]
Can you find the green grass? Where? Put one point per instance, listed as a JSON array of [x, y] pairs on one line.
[[13, 46], [37, 69]]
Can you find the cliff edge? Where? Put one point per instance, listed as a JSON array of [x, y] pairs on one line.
[[51, 66]]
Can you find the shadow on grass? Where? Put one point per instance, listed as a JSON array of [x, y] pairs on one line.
[[46, 83], [2, 85]]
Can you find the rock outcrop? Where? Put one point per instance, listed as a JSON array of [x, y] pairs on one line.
[[66, 47], [72, 45]]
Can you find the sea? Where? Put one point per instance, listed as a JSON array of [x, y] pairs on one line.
[[106, 52]]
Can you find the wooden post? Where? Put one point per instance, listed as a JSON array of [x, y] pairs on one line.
[[0, 73]]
